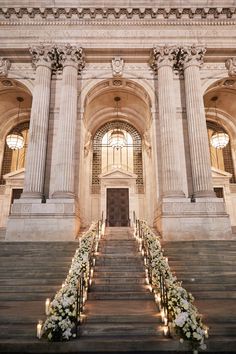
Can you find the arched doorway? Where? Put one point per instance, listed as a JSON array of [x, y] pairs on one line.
[[108, 167]]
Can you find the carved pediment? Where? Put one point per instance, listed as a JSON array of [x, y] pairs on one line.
[[220, 173], [118, 173], [15, 176]]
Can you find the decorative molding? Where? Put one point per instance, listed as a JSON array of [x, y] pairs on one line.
[[4, 67], [230, 65], [214, 13], [117, 65]]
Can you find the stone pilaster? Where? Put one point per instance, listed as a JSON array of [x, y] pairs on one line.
[[164, 58], [36, 155], [71, 59], [191, 58]]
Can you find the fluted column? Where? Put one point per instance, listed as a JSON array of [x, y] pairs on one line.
[[71, 58], [191, 60], [162, 63], [36, 154]]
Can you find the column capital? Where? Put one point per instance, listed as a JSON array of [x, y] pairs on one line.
[[4, 67], [69, 55], [191, 56], [163, 56], [42, 55], [230, 65]]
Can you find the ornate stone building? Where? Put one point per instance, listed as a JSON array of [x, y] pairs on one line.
[[124, 109]]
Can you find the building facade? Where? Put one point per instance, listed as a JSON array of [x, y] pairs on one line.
[[125, 111]]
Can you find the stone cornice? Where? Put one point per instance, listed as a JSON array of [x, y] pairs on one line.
[[146, 16]]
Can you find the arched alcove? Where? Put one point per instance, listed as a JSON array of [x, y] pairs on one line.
[[13, 116], [102, 115], [220, 108]]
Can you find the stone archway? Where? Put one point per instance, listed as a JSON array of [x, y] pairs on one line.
[[135, 117]]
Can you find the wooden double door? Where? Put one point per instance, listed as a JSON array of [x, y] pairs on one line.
[[118, 207]]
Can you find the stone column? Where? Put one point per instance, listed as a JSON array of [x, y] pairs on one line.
[[162, 63], [191, 58], [36, 154], [71, 59]]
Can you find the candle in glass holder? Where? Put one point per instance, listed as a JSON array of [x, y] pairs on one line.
[[47, 306], [39, 329], [165, 330]]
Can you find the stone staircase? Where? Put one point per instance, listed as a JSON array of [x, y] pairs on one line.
[[208, 271], [30, 272], [120, 313], [119, 303]]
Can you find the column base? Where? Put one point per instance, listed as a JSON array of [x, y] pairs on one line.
[[31, 195], [55, 220], [174, 194], [204, 194], [63, 195], [183, 220]]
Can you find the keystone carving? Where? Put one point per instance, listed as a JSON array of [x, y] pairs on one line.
[[117, 65], [230, 65], [4, 67]]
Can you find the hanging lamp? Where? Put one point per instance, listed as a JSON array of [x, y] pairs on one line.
[[117, 138], [219, 139], [14, 139]]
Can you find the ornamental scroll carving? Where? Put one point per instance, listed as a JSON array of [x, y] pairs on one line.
[[4, 67], [230, 65], [163, 56]]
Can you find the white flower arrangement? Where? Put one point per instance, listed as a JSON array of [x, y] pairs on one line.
[[183, 316], [60, 323]]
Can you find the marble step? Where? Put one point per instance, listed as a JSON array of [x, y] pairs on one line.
[[120, 329], [120, 295], [118, 274], [117, 287], [121, 281], [128, 318]]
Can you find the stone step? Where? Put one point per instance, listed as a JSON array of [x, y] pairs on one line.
[[119, 261], [118, 274], [28, 288], [24, 296], [214, 294], [128, 318], [120, 295], [18, 331], [117, 287], [119, 268], [119, 329], [121, 281]]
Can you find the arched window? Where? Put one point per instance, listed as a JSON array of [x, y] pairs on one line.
[[117, 144], [220, 158], [14, 160], [117, 150]]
